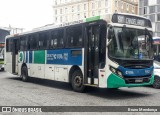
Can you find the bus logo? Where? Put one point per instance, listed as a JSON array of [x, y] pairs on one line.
[[21, 57], [129, 72]]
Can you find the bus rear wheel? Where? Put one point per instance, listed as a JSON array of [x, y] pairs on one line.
[[77, 81], [24, 74]]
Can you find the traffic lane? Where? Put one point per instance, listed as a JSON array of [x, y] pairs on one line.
[[44, 92]]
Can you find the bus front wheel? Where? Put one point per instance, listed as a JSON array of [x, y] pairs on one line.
[[156, 83], [24, 74], [77, 81]]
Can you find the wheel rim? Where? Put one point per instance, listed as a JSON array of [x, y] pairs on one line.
[[78, 81]]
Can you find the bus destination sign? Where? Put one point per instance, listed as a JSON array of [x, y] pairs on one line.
[[131, 20]]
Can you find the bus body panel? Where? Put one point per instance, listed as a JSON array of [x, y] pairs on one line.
[[8, 61], [50, 71], [37, 70], [61, 73], [16, 69], [44, 64], [20, 67], [106, 72], [115, 81]]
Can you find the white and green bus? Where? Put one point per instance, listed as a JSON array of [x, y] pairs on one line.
[[94, 52]]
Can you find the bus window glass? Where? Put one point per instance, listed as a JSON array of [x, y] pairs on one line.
[[33, 42], [131, 44], [43, 40], [61, 41], [57, 38], [23, 43], [9, 43], [74, 36], [55, 42]]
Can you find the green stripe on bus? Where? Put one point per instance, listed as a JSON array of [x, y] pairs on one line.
[[92, 18], [114, 81], [1, 62], [39, 57]]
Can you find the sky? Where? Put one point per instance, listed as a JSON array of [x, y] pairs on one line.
[[27, 14]]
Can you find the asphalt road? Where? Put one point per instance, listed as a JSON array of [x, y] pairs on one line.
[[14, 92]]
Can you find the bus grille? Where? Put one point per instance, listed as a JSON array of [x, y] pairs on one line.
[[137, 80]]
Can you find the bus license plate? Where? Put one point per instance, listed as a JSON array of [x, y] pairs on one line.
[[139, 80]]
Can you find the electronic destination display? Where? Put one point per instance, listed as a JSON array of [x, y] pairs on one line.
[[131, 20]]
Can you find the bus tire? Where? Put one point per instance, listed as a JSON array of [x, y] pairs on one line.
[[156, 83], [24, 74], [77, 81]]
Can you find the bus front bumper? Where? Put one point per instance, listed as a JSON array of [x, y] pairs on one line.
[[115, 81]]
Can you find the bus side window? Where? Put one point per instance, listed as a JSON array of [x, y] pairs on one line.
[[53, 39], [60, 40], [30, 42], [47, 42], [55, 42], [7, 45], [33, 41], [57, 38], [74, 36], [23, 43], [10, 44], [17, 45], [43, 40]]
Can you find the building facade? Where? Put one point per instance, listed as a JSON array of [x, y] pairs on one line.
[[72, 10], [151, 9]]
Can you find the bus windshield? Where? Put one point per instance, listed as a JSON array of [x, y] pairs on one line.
[[131, 44]]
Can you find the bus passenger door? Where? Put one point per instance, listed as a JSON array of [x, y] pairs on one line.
[[15, 56], [92, 54]]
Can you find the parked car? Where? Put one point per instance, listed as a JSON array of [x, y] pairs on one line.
[[156, 83]]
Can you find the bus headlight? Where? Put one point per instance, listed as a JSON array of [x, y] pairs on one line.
[[116, 71], [112, 69], [119, 74]]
